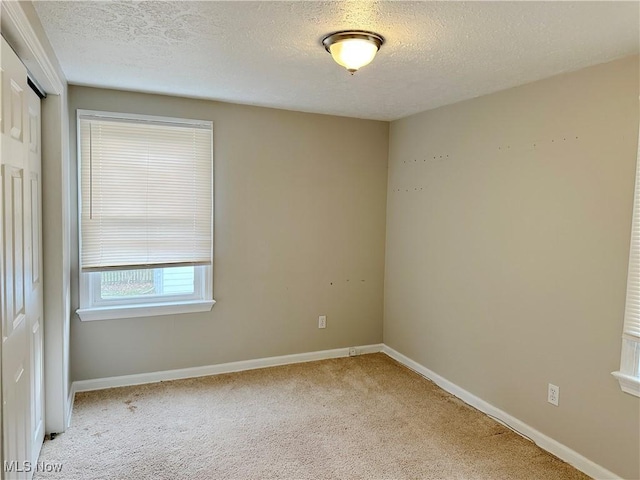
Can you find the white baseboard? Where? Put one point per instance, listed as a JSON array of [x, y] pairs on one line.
[[142, 378], [549, 444]]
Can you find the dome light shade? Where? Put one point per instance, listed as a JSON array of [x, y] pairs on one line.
[[353, 49]]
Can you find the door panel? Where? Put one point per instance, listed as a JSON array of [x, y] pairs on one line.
[[33, 281], [17, 108], [15, 411], [21, 289], [36, 221], [12, 215]]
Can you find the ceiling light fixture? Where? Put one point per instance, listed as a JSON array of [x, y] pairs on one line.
[[353, 49]]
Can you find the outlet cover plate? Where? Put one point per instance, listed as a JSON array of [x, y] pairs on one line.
[[553, 394]]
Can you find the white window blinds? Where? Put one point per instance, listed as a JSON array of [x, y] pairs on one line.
[[145, 191], [632, 309]]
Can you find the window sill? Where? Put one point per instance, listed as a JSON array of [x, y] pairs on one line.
[[628, 384], [143, 310]]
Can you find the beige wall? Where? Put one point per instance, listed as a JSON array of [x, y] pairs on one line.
[[508, 225], [299, 232]]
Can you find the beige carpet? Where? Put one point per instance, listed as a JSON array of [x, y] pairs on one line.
[[364, 417]]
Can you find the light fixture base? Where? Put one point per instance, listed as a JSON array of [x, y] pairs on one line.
[[335, 37]]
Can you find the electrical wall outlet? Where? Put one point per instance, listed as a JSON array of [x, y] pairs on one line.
[[353, 352], [322, 321], [553, 395]]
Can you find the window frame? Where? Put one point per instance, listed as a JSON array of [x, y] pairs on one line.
[[142, 307], [92, 305], [629, 374]]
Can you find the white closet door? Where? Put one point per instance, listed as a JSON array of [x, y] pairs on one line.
[[34, 275], [20, 299]]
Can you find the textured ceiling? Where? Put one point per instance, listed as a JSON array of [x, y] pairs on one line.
[[269, 53]]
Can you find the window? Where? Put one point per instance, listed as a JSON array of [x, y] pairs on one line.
[[629, 374], [145, 215]]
